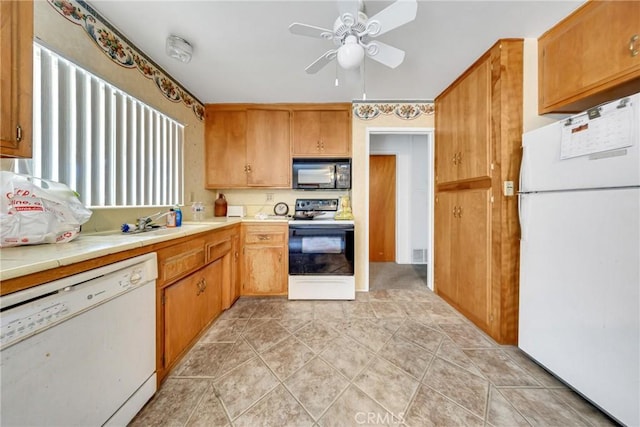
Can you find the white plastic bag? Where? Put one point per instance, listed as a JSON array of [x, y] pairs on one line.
[[35, 210]]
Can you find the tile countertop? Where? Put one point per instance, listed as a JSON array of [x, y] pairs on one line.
[[22, 260]]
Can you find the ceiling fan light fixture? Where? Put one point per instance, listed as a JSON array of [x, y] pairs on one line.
[[179, 49], [350, 54]]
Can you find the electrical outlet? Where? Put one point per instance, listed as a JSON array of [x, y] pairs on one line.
[[508, 188], [269, 197]]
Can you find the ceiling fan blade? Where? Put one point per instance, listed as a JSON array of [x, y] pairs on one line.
[[319, 63], [385, 54], [310, 31], [393, 16], [352, 7]]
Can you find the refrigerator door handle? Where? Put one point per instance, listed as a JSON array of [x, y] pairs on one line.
[[521, 216], [523, 170]]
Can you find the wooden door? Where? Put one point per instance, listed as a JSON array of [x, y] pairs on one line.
[[183, 314], [589, 50], [212, 290], [472, 254], [445, 138], [382, 208], [236, 273], [335, 133], [225, 140], [16, 78], [306, 133], [264, 270], [445, 240], [268, 148], [474, 121]]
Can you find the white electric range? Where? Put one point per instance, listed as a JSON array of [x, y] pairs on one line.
[[321, 252]]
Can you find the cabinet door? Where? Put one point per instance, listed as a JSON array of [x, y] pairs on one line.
[[183, 315], [16, 78], [474, 118], [225, 142], [306, 133], [472, 252], [444, 242], [264, 270], [589, 52], [446, 138], [463, 123], [213, 278], [268, 148], [236, 273], [321, 133]]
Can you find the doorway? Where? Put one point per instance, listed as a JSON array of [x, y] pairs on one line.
[[410, 204], [382, 208]]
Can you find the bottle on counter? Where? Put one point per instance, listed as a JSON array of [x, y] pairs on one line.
[[220, 206], [171, 218], [178, 212], [198, 211]]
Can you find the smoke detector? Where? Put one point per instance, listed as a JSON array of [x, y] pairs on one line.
[[178, 48]]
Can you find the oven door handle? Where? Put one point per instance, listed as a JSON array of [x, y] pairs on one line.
[[344, 227]]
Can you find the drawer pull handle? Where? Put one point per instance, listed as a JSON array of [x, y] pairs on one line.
[[202, 285], [632, 45], [263, 237]]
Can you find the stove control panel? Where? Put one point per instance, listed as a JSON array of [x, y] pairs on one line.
[[330, 205]]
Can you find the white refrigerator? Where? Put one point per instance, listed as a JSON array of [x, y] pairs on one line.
[[579, 204]]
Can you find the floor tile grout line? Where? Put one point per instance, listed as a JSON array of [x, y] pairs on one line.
[[420, 381]]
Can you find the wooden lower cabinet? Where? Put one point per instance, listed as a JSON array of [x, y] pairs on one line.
[[198, 278], [265, 259], [189, 305], [463, 252]]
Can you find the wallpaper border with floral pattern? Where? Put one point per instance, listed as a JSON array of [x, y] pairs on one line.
[[403, 110], [124, 53]]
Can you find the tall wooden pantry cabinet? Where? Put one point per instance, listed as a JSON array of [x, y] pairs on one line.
[[477, 147]]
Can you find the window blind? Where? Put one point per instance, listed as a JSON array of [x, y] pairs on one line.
[[108, 146]]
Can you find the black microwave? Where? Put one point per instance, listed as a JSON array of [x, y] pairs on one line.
[[321, 174]]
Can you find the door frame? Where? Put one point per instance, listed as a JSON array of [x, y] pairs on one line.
[[429, 132]]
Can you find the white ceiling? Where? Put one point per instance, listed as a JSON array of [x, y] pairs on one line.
[[243, 51]]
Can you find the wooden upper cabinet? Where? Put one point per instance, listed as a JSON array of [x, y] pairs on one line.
[[463, 123], [16, 78], [591, 57], [247, 148], [225, 148], [322, 133], [268, 148]]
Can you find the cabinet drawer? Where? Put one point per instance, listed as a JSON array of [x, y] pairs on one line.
[[218, 249], [178, 260], [270, 234]]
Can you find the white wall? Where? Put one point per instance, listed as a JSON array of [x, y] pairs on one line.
[[412, 179]]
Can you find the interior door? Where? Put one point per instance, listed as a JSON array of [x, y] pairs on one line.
[[382, 208]]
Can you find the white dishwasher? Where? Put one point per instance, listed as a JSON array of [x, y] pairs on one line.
[[80, 351]]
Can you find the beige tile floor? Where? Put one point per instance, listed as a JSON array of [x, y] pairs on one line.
[[392, 357]]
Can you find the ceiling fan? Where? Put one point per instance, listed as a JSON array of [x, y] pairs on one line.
[[354, 34]]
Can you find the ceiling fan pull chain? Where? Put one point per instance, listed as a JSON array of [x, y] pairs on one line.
[[364, 83]]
